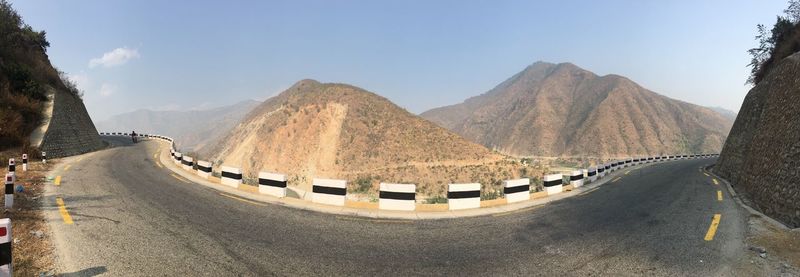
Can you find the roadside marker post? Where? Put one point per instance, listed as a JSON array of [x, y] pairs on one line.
[[44, 157], [9, 191], [12, 167], [24, 162], [5, 247]]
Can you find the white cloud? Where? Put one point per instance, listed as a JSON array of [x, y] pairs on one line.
[[116, 57], [107, 89]]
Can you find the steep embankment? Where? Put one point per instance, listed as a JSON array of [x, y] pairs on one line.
[[563, 110], [761, 157], [191, 129], [39, 106], [341, 131]]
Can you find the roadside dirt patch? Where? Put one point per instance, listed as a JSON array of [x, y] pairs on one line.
[[771, 250], [32, 249]]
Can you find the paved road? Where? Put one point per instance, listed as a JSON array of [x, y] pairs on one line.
[[132, 217]]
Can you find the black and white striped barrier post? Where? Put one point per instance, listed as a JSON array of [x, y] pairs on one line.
[[44, 157], [24, 162], [231, 176], [592, 174], [629, 162], [10, 190], [517, 190], [463, 196], [187, 163], [203, 169], [553, 183], [601, 171], [5, 247], [272, 184], [607, 167], [576, 178], [397, 197], [178, 158], [329, 191], [12, 168]]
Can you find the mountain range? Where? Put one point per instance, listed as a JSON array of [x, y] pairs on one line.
[[562, 110]]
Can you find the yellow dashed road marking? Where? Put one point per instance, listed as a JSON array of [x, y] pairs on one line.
[[617, 179], [719, 195], [374, 220], [629, 171], [242, 199], [706, 174], [712, 230], [181, 179], [62, 209], [715, 181], [58, 180]]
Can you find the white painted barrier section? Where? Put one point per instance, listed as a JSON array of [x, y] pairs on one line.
[[601, 171], [517, 190], [464, 196], [553, 184], [178, 158], [576, 178], [231, 176], [24, 162], [272, 184], [5, 248], [329, 191], [592, 174], [187, 163], [203, 169], [397, 197]]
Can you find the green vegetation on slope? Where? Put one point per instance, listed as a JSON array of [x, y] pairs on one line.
[[25, 76], [778, 43]]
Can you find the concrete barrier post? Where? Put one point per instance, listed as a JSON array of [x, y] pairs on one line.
[[5, 247], [601, 171], [554, 183], [397, 197], [187, 163], [12, 167], [517, 190], [203, 169], [178, 158], [9, 191], [272, 184], [607, 167], [231, 176], [24, 162], [463, 196], [592, 175], [329, 191], [576, 178]]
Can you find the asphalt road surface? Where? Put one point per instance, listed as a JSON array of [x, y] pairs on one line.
[[132, 217]]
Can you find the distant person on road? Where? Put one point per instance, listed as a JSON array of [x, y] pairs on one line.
[[133, 136]]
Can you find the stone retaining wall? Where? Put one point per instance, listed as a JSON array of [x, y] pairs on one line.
[[71, 130]]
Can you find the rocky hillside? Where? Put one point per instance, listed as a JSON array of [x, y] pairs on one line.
[[341, 131], [40, 109], [563, 110], [761, 157], [191, 129]]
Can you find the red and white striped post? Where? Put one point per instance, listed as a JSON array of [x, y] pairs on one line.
[[12, 168], [9, 190], [24, 162], [5, 247]]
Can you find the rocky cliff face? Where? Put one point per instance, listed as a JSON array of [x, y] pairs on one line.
[[563, 110], [761, 157], [70, 130]]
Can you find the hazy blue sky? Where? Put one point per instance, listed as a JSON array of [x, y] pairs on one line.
[[128, 55]]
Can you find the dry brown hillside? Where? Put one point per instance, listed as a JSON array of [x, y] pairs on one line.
[[563, 110], [341, 131]]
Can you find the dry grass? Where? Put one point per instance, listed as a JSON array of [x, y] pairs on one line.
[[31, 255]]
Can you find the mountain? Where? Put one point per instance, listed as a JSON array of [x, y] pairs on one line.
[[192, 129], [563, 110], [761, 157], [324, 130], [725, 112]]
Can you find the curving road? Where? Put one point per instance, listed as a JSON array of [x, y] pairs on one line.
[[132, 217]]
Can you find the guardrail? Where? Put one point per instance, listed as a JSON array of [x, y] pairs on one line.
[[403, 196]]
